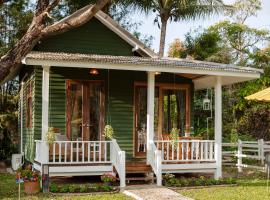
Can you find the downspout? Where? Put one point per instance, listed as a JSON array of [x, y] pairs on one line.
[[21, 116]]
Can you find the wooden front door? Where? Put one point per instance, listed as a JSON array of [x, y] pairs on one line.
[[172, 110], [84, 110]]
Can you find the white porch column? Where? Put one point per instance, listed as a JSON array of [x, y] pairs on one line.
[[150, 109], [218, 126], [45, 111]]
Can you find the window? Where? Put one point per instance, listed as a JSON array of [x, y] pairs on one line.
[[29, 105]]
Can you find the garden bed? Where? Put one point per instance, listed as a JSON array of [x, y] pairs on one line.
[[82, 189], [171, 181]]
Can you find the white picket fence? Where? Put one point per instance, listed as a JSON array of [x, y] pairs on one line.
[[251, 150]]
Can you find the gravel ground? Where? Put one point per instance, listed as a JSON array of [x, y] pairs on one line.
[[152, 192]]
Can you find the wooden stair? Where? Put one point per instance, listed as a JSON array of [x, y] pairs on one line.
[[138, 171]]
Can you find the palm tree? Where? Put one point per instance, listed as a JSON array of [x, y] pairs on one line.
[[177, 10]]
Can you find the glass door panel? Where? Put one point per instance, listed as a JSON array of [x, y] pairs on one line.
[[174, 110], [74, 109], [85, 110], [95, 111]]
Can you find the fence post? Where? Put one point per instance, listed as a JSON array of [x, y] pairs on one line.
[[239, 156], [261, 150]]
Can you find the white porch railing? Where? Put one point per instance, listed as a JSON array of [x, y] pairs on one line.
[[155, 162], [82, 152], [187, 150], [118, 159]]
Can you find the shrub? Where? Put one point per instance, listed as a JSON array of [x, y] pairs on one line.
[[64, 189], [106, 188], [53, 187], [83, 188], [72, 188]]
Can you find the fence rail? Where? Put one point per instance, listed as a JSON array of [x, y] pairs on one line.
[[235, 154]]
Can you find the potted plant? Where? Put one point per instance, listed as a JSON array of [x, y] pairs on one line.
[[108, 178], [50, 136], [31, 180], [108, 132]]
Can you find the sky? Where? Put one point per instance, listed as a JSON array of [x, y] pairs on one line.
[[179, 29]]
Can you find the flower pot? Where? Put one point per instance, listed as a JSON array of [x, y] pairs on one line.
[[31, 187]]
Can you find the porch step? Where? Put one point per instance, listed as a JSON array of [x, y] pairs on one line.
[[133, 167], [140, 177]]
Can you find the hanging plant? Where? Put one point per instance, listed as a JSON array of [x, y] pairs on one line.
[[50, 136], [108, 132], [174, 136]]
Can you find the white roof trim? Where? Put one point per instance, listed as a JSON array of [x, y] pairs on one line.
[[136, 67]]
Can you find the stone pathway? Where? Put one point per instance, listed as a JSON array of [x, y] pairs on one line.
[[152, 192]]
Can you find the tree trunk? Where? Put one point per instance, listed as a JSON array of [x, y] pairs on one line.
[[163, 29], [38, 30]]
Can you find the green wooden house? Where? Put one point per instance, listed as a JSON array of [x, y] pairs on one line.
[[99, 74]]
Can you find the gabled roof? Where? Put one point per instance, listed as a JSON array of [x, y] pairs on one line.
[[111, 24]]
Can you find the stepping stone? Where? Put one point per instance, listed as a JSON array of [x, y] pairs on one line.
[[152, 192]]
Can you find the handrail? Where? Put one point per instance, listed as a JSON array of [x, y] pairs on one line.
[[118, 159], [155, 162]]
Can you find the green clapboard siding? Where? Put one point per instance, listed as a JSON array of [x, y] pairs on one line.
[[92, 38], [30, 134]]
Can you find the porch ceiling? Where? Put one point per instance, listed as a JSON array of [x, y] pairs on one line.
[[202, 73]]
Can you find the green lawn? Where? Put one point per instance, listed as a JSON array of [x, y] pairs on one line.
[[247, 189], [9, 190]]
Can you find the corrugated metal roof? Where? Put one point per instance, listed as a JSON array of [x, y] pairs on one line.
[[140, 61]]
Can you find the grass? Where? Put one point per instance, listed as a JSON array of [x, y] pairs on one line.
[[246, 189], [9, 190]]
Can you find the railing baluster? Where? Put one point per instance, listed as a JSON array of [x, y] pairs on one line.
[[205, 150], [201, 150], [183, 156], [88, 150], [94, 152], [105, 151], [211, 150], [54, 152], [100, 149], [187, 150], [173, 148], [178, 143], [197, 150], [65, 151], [192, 149], [60, 151], [83, 151], [71, 151], [168, 152], [77, 151]]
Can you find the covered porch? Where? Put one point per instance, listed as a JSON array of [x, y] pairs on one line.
[[187, 154]]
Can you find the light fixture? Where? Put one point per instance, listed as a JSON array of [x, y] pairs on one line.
[[157, 73], [206, 103], [94, 71]]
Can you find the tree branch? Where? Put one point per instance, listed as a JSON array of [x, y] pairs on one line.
[[38, 30], [79, 18]]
